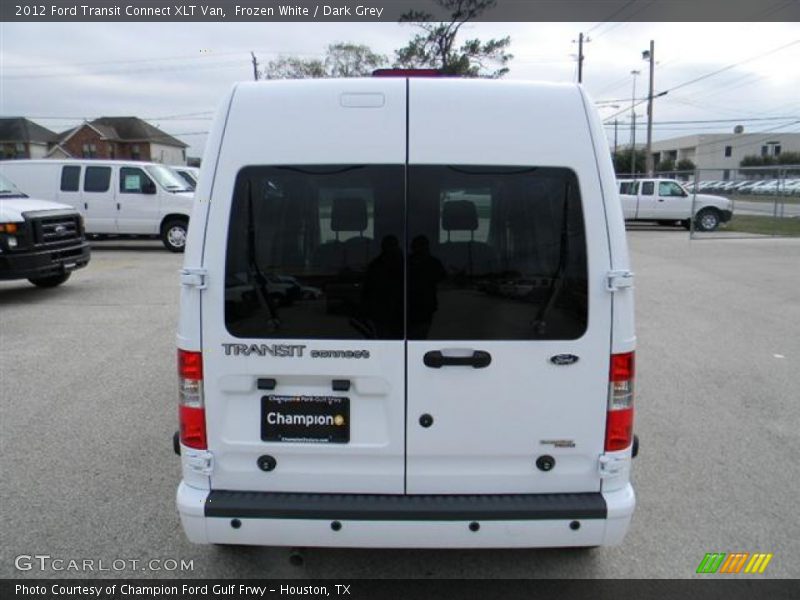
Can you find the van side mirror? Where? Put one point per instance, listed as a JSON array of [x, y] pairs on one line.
[[148, 187]]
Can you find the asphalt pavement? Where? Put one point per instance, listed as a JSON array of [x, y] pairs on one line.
[[88, 408]]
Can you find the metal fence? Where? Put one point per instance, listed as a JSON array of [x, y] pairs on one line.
[[764, 201]]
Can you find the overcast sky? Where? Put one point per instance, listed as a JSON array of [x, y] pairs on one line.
[[175, 74]]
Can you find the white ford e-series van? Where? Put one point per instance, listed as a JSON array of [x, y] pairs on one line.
[[124, 198], [463, 374]]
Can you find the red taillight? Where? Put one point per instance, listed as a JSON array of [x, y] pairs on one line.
[[190, 364], [619, 422], [191, 407]]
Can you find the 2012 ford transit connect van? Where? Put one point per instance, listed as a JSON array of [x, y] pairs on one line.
[[464, 378], [114, 197]]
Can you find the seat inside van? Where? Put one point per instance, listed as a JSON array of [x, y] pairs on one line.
[[468, 257], [348, 215]]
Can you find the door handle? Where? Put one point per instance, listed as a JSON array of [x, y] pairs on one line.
[[436, 360], [117, 205], [85, 206]]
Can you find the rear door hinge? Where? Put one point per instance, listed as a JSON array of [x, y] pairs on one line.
[[199, 461], [611, 466], [194, 277], [619, 280]]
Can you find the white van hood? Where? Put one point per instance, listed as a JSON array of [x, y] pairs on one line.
[[11, 209]]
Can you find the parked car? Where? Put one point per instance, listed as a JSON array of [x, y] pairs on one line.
[[190, 175], [119, 198], [666, 202], [40, 241]]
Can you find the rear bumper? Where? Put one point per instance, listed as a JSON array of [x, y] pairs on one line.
[[357, 520], [43, 263]]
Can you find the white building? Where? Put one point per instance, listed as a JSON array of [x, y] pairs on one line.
[[723, 152]]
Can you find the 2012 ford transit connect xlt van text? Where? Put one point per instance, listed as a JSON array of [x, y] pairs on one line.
[[464, 377], [120, 198]]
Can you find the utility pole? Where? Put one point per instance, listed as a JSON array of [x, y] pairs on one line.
[[255, 66], [633, 126], [650, 54], [581, 40]]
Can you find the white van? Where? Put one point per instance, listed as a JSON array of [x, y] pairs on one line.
[[114, 197], [412, 402]]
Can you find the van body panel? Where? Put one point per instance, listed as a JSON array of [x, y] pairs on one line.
[[491, 424], [283, 128], [623, 332], [514, 178]]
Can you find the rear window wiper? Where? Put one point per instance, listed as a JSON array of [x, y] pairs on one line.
[[557, 282]]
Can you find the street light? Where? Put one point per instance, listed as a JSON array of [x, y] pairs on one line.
[[633, 125], [649, 55]]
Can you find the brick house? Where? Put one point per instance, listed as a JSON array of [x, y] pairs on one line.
[[22, 138], [120, 138]]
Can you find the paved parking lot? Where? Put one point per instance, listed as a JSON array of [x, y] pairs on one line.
[[88, 408]]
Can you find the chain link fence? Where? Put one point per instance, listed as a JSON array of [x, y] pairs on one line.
[[763, 201]]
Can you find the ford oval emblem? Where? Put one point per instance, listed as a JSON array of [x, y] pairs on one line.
[[60, 229], [564, 359]]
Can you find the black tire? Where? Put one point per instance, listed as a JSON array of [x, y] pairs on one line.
[[686, 224], [707, 219], [49, 282], [173, 234]]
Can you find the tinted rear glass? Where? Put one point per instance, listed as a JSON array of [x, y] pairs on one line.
[[316, 252], [97, 179], [495, 253], [70, 177], [487, 253]]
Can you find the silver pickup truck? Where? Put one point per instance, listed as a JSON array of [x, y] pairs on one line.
[[667, 202]]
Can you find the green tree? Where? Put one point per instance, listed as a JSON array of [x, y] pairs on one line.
[[665, 166], [436, 46], [756, 161], [789, 158], [342, 59], [622, 162], [685, 164]]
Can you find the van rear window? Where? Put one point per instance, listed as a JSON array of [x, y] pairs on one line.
[[466, 253]]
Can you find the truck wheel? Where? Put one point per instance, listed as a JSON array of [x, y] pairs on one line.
[[49, 282], [173, 234], [707, 219]]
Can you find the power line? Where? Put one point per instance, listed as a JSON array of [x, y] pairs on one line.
[[611, 16], [744, 119], [711, 74], [731, 66]]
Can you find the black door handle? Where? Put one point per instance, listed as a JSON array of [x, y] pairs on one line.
[[436, 360]]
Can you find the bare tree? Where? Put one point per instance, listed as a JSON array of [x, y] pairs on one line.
[[436, 46], [342, 59]]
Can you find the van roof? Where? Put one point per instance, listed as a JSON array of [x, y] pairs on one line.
[[81, 161]]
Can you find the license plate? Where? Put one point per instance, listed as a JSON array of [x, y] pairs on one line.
[[70, 266], [313, 419]]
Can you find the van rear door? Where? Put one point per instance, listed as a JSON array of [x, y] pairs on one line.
[[508, 317], [304, 356]]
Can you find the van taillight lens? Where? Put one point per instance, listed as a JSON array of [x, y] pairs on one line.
[[619, 422], [191, 408]]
